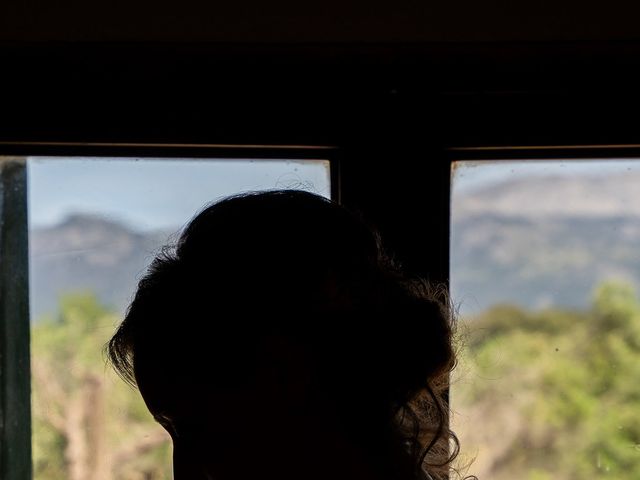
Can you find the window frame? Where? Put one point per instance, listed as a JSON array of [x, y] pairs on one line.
[[399, 113], [15, 377]]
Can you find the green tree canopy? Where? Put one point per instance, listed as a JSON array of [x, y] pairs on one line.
[[554, 394], [87, 423]]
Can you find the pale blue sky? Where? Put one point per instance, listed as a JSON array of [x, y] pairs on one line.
[[160, 193], [155, 193], [472, 175]]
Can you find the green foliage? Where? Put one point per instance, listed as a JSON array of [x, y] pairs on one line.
[[556, 392], [88, 424], [549, 394]]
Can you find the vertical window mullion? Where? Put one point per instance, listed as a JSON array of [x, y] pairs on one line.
[[15, 378]]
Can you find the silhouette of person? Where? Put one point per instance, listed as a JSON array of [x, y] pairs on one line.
[[277, 340]]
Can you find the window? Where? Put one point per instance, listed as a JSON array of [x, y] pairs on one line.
[[545, 271], [543, 267], [94, 224]]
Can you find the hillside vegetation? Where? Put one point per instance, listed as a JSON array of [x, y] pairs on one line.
[[552, 394]]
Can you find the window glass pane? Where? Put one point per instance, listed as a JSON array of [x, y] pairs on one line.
[[94, 225], [545, 270]]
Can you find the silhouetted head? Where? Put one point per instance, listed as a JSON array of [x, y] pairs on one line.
[[277, 336]]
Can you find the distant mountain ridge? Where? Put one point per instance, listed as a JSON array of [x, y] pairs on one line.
[[614, 195], [88, 253], [544, 241], [534, 242]]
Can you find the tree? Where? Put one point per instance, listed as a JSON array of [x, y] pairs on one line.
[[87, 423], [553, 393]]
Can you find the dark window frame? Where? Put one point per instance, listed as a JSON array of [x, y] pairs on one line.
[[15, 378], [397, 116]]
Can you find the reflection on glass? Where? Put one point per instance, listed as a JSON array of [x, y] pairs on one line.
[[545, 269], [94, 226]]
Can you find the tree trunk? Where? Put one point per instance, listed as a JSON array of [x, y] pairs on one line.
[[76, 452]]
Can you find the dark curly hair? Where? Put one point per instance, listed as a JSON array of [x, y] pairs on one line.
[[294, 263]]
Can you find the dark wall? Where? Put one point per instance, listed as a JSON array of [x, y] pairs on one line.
[[441, 95], [318, 20]]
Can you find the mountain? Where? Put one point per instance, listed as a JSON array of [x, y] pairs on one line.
[[554, 196], [87, 253], [543, 241], [536, 242]]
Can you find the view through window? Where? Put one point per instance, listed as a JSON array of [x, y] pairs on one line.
[[545, 269], [94, 225]]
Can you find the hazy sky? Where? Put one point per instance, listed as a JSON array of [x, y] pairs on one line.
[[160, 193], [155, 193], [471, 175]]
